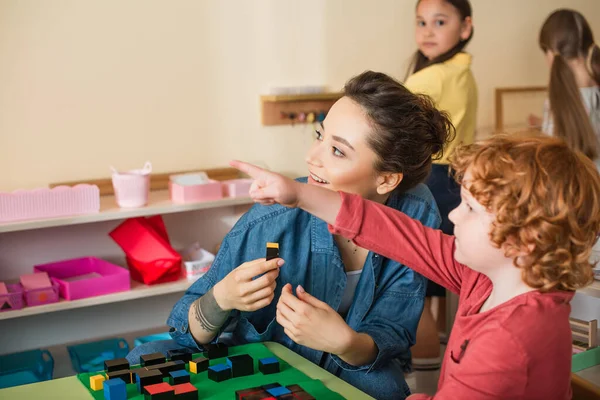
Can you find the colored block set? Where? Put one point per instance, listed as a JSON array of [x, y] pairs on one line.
[[166, 378]]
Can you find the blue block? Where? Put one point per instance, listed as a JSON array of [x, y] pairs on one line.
[[269, 360], [278, 391], [219, 367], [115, 389], [178, 377]]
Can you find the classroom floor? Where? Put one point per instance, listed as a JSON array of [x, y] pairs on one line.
[[423, 381]]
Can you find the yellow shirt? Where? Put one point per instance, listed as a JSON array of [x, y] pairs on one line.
[[452, 87]]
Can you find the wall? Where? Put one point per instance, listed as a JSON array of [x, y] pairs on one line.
[[88, 84]]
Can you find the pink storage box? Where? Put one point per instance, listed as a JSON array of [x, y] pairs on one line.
[[86, 277], [60, 201], [237, 187], [183, 193], [39, 296], [13, 300]]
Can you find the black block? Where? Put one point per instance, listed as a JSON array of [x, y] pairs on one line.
[[245, 393], [241, 365], [152, 359], [143, 378], [302, 395], [167, 395], [167, 367], [267, 367], [272, 251], [295, 388], [217, 350], [270, 386], [118, 364], [179, 354], [201, 364], [219, 373], [124, 374]]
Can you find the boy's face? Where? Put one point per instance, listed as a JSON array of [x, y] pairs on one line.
[[472, 226]]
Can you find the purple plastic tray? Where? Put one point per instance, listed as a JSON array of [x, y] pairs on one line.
[[37, 297], [86, 277], [14, 298]]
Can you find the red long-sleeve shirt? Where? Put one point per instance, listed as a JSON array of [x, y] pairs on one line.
[[520, 349]]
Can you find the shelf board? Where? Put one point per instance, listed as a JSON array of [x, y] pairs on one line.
[[159, 202], [138, 290], [592, 290], [301, 97]]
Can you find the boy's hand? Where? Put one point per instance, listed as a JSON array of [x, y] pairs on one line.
[[240, 292], [311, 322], [268, 187]]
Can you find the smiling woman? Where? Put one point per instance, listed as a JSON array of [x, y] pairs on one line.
[[351, 311]]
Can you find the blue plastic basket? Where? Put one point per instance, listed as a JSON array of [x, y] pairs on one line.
[[90, 357], [151, 338], [25, 367]]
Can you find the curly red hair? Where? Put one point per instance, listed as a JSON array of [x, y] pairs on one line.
[[546, 199]]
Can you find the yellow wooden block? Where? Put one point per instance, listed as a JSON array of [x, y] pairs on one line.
[[96, 382], [193, 367]]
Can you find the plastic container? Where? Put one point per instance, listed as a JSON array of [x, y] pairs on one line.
[[80, 278], [40, 203], [151, 338], [90, 357], [196, 261], [188, 188], [150, 257], [236, 187], [25, 367], [13, 300], [132, 188], [37, 297]]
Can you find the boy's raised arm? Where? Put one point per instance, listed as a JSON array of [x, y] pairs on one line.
[[371, 225]]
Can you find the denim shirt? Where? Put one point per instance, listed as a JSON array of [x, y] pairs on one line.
[[387, 304]]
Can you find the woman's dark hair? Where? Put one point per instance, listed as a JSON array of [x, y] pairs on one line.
[[408, 130], [568, 36], [419, 60]]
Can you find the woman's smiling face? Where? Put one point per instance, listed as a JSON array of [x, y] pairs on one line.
[[340, 158]]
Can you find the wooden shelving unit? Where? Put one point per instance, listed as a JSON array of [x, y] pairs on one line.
[[138, 290], [158, 203], [272, 106]]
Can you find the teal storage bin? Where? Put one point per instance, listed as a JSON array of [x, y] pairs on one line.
[[25, 367], [90, 357], [151, 338]]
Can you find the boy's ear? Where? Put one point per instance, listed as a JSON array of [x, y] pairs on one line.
[[467, 28], [388, 181]]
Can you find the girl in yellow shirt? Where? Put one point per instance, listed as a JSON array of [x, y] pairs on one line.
[[441, 69]]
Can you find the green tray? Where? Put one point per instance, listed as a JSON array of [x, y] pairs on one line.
[[208, 389]]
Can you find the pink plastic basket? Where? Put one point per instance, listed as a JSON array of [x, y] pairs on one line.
[[132, 188], [237, 187], [14, 298], [86, 277], [49, 203], [37, 297]]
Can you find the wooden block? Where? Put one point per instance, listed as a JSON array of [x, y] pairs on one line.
[[198, 365], [96, 382], [3, 289], [272, 251], [118, 364], [151, 359]]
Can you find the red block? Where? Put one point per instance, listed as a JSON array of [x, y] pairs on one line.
[[184, 388], [159, 388], [150, 257]]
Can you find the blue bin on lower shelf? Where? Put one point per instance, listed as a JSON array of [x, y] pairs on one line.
[[90, 357], [25, 367], [151, 338]]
